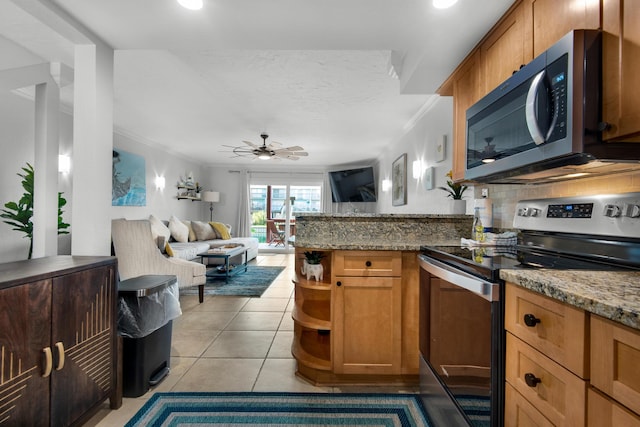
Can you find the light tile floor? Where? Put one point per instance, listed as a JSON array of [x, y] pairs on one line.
[[231, 344]]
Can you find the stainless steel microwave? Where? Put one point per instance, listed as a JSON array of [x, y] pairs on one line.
[[543, 123]]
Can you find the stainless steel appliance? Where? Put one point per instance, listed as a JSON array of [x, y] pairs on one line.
[[461, 296], [543, 123]]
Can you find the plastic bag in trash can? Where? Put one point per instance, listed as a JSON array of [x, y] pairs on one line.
[[140, 316]]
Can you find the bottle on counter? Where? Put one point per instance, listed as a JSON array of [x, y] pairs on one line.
[[486, 212], [477, 233]]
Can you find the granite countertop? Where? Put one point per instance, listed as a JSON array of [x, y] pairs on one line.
[[612, 295], [374, 245]]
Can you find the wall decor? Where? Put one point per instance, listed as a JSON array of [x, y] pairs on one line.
[[440, 147], [128, 181], [427, 179], [399, 181]]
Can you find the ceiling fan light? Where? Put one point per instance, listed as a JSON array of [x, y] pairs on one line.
[[264, 156], [191, 4]]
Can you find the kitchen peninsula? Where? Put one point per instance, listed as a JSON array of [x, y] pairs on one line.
[[359, 323]]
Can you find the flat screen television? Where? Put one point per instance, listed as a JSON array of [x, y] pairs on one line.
[[353, 185]]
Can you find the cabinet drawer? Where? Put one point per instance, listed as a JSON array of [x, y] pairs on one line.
[[615, 361], [519, 412], [559, 394], [368, 263], [552, 327], [604, 412]]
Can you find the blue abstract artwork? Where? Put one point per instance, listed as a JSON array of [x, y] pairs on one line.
[[128, 183]]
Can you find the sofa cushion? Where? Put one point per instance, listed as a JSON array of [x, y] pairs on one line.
[[192, 234], [221, 230], [188, 250], [179, 231], [159, 229], [203, 230]]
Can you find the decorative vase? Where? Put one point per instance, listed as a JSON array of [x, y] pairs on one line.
[[312, 270], [458, 206]]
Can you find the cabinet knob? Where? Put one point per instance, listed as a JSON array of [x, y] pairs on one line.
[[368, 263], [531, 320], [531, 379], [338, 283]]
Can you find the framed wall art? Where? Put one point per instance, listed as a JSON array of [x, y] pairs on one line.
[[399, 181], [129, 184]]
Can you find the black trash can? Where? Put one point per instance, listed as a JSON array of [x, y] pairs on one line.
[[147, 306]]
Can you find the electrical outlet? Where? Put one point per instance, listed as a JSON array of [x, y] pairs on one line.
[[485, 192]]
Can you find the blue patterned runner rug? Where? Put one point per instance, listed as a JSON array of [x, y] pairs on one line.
[[281, 409]]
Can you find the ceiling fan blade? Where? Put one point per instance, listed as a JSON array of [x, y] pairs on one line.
[[295, 148], [250, 144]]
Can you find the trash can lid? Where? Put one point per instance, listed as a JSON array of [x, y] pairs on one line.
[[142, 286]]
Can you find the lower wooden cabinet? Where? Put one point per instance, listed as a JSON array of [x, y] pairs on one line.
[[58, 340], [605, 412]]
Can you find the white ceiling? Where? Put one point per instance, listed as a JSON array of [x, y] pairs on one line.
[[313, 73]]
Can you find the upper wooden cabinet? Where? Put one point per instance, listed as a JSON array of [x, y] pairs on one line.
[[504, 50], [621, 62], [552, 19]]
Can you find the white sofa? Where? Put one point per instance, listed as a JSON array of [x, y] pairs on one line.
[[188, 250]]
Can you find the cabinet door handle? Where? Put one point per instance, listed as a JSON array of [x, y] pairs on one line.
[[531, 379], [60, 348], [48, 362], [530, 320], [338, 283], [368, 263]]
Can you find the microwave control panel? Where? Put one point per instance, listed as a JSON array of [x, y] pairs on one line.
[[609, 215]]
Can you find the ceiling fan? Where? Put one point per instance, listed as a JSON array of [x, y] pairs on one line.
[[266, 152]]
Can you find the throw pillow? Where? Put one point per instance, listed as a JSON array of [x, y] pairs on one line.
[[168, 250], [192, 234], [179, 231], [221, 230], [203, 230], [158, 229]]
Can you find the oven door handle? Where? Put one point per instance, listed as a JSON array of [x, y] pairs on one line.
[[487, 290]]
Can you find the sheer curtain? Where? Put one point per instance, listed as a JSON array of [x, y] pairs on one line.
[[327, 202], [244, 217]]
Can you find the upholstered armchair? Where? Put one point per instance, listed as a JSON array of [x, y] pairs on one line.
[[138, 254]]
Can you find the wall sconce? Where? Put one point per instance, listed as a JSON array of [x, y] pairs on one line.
[[64, 164], [418, 168], [211, 197], [386, 184], [159, 183]]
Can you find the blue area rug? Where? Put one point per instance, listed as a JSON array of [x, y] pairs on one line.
[[250, 284], [281, 409]]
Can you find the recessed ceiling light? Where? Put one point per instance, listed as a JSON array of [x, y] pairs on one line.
[[191, 4], [443, 4]]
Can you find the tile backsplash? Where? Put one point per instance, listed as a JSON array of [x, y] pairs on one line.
[[505, 196]]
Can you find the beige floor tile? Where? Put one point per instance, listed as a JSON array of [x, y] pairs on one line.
[[266, 304], [277, 292], [281, 347], [255, 321], [279, 375], [220, 375], [221, 303], [197, 320], [192, 342], [241, 344], [287, 322], [119, 417]]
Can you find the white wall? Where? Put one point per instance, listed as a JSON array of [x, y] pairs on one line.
[[419, 143]]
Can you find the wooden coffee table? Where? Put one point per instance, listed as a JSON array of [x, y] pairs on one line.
[[225, 270]]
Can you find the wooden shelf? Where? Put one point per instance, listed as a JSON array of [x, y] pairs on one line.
[[311, 284], [312, 348], [313, 314], [194, 199]]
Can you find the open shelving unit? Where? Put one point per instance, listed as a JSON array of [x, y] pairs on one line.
[[311, 315]]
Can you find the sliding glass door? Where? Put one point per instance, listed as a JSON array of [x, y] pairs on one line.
[[273, 210]]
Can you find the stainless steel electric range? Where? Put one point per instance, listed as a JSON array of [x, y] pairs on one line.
[[461, 295]]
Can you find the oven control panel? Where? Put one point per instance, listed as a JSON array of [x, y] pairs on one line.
[[609, 215]]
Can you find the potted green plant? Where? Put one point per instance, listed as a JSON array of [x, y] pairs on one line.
[[18, 215], [311, 266], [455, 190]]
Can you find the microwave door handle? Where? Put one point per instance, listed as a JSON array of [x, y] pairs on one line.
[[530, 109]]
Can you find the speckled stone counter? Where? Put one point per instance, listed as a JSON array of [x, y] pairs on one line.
[[379, 231], [612, 295]]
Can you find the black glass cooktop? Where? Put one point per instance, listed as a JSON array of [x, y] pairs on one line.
[[487, 261]]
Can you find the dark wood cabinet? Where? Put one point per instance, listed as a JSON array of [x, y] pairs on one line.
[[58, 339]]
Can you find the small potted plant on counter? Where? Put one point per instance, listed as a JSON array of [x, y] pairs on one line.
[[311, 266], [455, 190]]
